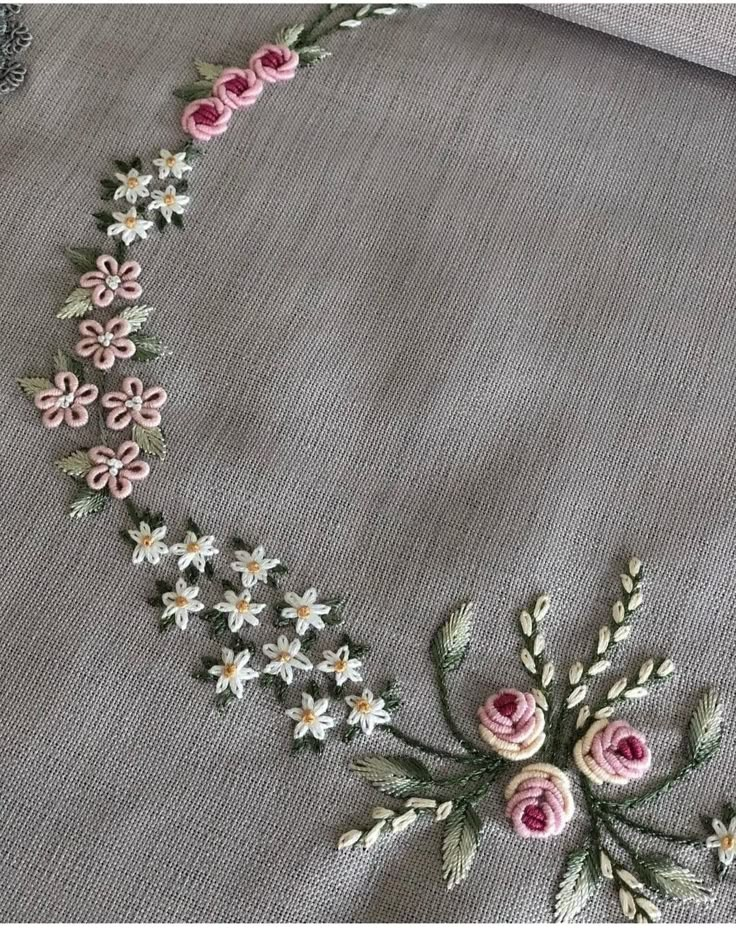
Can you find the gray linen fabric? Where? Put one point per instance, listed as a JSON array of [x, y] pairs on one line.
[[701, 32], [452, 316]]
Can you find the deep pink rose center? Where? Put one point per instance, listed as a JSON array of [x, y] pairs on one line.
[[630, 748], [272, 60], [505, 703], [534, 818], [237, 85], [206, 115]]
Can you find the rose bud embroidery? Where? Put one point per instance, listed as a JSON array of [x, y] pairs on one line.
[[237, 88], [205, 119], [272, 63], [612, 752], [512, 724], [539, 801]]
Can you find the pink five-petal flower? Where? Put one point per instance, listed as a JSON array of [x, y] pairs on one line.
[[65, 401], [111, 280], [133, 402], [539, 802], [105, 343], [612, 752], [512, 724], [204, 119], [237, 88], [114, 470], [273, 63]]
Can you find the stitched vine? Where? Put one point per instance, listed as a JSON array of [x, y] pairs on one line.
[[534, 740], [14, 40]]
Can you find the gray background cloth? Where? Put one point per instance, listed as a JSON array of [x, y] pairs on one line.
[[452, 316]]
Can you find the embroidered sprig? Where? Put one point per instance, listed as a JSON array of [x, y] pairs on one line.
[[14, 40]]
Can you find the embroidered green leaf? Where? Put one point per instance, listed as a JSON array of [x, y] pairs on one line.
[[103, 219], [78, 303], [577, 884], [207, 71], [33, 385], [670, 878], [83, 259], [108, 188], [311, 54], [451, 641], [197, 90], [148, 347], [150, 440], [704, 730], [63, 362], [289, 36], [76, 464], [397, 775], [86, 502], [459, 843], [391, 696], [137, 315]]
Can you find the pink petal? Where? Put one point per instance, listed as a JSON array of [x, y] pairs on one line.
[[147, 417], [100, 454], [129, 270], [52, 417], [104, 358], [117, 327], [118, 418], [98, 477], [132, 386], [111, 400], [91, 279], [76, 416], [102, 297], [128, 452], [66, 382], [86, 347], [108, 266], [122, 347], [120, 486], [86, 394], [90, 328], [138, 470], [129, 291], [155, 397], [47, 398]]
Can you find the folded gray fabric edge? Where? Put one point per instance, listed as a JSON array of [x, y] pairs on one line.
[[702, 33]]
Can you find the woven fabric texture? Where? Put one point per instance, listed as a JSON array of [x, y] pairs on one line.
[[452, 317]]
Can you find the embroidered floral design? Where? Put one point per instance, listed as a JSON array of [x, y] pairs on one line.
[[194, 551], [254, 565], [305, 611], [237, 88], [512, 724], [205, 119], [233, 672], [174, 163], [129, 226], [105, 343], [539, 801], [180, 602], [65, 401], [14, 39], [133, 186], [149, 543], [367, 711], [239, 608], [115, 471], [344, 667], [112, 280], [723, 840], [311, 718], [275, 63], [169, 202], [612, 752], [284, 658], [133, 403]]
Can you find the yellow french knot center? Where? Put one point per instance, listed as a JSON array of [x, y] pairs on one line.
[[146, 541], [363, 706], [169, 199], [181, 601], [229, 671], [728, 842], [193, 548], [130, 222], [283, 657], [170, 162], [341, 666], [132, 182], [303, 612], [308, 716], [241, 605], [253, 567]]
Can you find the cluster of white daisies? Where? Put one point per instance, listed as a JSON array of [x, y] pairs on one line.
[[134, 187], [284, 656]]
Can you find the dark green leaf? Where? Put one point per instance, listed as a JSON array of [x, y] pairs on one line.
[[670, 878], [197, 90], [83, 259], [147, 347], [86, 502], [311, 54]]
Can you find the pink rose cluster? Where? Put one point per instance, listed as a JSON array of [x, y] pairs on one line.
[[512, 724], [236, 89], [612, 752], [539, 802]]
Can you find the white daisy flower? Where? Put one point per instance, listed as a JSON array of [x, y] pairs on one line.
[[194, 550], [171, 163], [342, 665], [311, 718], [133, 186], [169, 202], [305, 610], [232, 672], [240, 609], [149, 544], [129, 225], [368, 711], [285, 657], [253, 565], [724, 839], [180, 602]]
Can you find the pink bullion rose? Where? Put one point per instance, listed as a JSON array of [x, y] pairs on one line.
[[111, 280], [114, 470], [273, 63], [65, 401], [237, 88], [539, 801], [204, 119], [134, 403], [612, 752], [512, 724], [105, 343]]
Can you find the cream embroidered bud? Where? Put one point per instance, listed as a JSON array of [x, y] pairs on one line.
[[648, 908], [379, 812], [604, 713], [627, 583], [443, 811], [634, 566], [527, 627], [665, 668], [622, 633], [540, 699], [374, 834], [349, 839], [617, 688], [577, 696], [576, 673], [528, 661], [635, 601], [636, 692], [583, 716], [618, 612], [402, 822], [645, 671], [606, 868], [541, 608], [628, 906], [604, 639], [631, 881], [418, 802], [548, 674], [598, 667], [538, 645]]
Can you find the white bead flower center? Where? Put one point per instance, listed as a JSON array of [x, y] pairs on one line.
[[66, 400], [105, 339], [135, 402], [114, 466], [113, 282]]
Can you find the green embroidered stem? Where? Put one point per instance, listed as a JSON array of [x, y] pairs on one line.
[[664, 787], [420, 745], [452, 725], [687, 840], [310, 33]]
